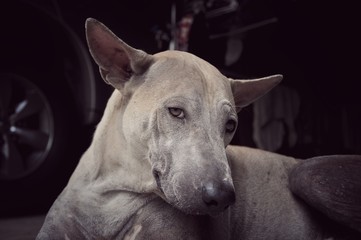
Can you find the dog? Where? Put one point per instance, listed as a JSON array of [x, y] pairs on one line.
[[160, 165]]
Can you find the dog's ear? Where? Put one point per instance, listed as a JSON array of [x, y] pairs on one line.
[[117, 61], [247, 91]]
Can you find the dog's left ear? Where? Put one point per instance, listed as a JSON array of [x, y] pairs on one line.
[[247, 91], [117, 61]]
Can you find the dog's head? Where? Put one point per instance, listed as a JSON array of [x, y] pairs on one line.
[[180, 113]]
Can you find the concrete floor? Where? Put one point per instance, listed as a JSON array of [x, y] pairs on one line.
[[20, 228]]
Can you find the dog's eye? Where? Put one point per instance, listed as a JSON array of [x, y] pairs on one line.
[[176, 112], [231, 126]]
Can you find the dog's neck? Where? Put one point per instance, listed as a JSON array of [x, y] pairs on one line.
[[113, 164]]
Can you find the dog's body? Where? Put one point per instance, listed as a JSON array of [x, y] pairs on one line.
[[159, 166], [265, 208]]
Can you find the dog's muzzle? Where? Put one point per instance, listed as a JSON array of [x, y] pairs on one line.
[[218, 196]]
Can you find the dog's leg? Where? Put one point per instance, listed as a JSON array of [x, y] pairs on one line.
[[332, 185]]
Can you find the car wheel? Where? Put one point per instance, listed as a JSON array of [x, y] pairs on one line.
[[39, 145], [26, 127]]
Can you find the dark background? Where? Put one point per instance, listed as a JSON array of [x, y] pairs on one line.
[[314, 44]]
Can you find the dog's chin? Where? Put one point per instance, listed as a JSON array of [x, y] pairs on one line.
[[192, 207], [190, 210], [189, 206], [199, 211]]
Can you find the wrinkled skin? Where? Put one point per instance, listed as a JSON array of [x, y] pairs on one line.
[[159, 165], [185, 152]]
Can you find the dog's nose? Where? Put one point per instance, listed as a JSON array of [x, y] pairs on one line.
[[218, 195]]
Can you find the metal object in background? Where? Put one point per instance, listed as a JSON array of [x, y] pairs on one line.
[[26, 127]]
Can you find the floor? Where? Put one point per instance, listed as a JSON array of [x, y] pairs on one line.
[[20, 228]]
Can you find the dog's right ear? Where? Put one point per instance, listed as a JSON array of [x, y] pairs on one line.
[[117, 61]]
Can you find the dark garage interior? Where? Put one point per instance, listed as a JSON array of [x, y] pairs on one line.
[[52, 96]]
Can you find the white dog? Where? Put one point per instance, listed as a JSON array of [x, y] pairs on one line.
[[159, 166]]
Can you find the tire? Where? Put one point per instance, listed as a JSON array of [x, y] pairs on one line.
[[42, 130], [39, 141]]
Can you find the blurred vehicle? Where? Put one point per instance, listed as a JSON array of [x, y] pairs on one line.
[[50, 100]]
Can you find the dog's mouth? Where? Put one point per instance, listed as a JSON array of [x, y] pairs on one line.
[[156, 175], [189, 203]]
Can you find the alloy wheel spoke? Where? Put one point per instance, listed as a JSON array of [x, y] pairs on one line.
[[33, 138], [13, 162], [29, 106]]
